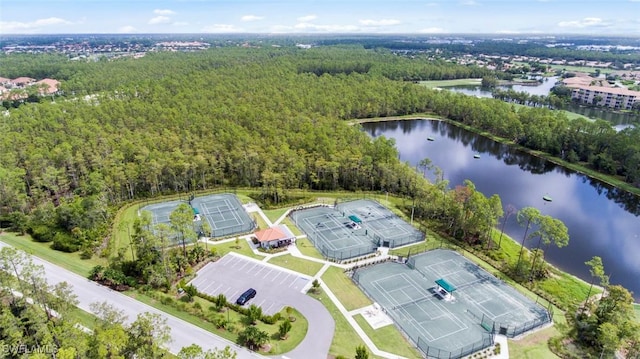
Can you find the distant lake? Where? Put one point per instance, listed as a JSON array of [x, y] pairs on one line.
[[602, 221], [618, 120]]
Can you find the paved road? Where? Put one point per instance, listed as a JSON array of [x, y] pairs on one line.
[[182, 333], [277, 287]]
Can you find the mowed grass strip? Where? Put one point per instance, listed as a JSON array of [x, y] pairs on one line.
[[70, 261], [296, 264], [292, 227], [275, 214], [307, 248], [445, 83], [345, 339], [241, 247], [343, 287], [388, 339], [534, 345]]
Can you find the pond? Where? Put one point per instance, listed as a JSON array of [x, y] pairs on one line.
[[602, 221], [617, 119]]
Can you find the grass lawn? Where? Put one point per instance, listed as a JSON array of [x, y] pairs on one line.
[[259, 220], [343, 287], [70, 261], [445, 83], [292, 227], [432, 241], [388, 339], [637, 309], [242, 247], [534, 345], [298, 328], [307, 248], [345, 338], [83, 318], [297, 264], [274, 214]]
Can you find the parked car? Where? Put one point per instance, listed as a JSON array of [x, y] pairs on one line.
[[246, 296]]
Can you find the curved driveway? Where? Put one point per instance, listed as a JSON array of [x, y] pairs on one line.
[[277, 287]]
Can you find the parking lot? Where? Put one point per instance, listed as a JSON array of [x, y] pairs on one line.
[[233, 274]]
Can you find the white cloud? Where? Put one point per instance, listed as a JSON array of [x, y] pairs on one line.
[[163, 12], [221, 28], [586, 22], [432, 30], [159, 20], [251, 18], [12, 26], [307, 18], [127, 29], [468, 3], [383, 22]]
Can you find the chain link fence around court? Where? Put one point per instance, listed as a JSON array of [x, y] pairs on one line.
[[246, 226], [318, 243], [422, 344]]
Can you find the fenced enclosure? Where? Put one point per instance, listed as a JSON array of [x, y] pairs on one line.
[[354, 229], [448, 327], [223, 212]]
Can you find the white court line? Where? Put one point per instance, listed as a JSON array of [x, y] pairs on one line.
[[233, 210]]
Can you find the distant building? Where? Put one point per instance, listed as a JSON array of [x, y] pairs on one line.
[[48, 86], [588, 90]]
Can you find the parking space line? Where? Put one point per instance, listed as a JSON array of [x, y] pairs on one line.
[[284, 279], [277, 275], [261, 269], [268, 273]]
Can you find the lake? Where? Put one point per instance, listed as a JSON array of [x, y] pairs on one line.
[[602, 220], [618, 120]]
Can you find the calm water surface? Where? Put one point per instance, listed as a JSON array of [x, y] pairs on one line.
[[601, 220], [618, 120]]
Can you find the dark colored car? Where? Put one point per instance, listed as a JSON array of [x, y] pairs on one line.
[[244, 297]]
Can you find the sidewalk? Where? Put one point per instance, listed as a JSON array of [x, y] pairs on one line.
[[381, 255]]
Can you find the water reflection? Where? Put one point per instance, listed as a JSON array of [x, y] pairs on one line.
[[618, 120], [601, 220]]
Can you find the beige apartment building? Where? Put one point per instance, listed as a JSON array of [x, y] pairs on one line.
[[598, 92]]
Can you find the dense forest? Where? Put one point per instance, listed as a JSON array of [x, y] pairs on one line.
[[269, 118]]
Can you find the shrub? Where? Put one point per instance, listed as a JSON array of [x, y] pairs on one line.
[[41, 233], [65, 243]]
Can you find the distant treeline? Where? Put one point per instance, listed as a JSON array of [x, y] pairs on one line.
[[487, 47], [175, 122]]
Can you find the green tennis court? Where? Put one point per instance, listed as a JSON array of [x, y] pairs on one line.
[[448, 326], [354, 229], [224, 213]]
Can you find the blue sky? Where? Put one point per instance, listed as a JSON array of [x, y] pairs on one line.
[[593, 17]]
